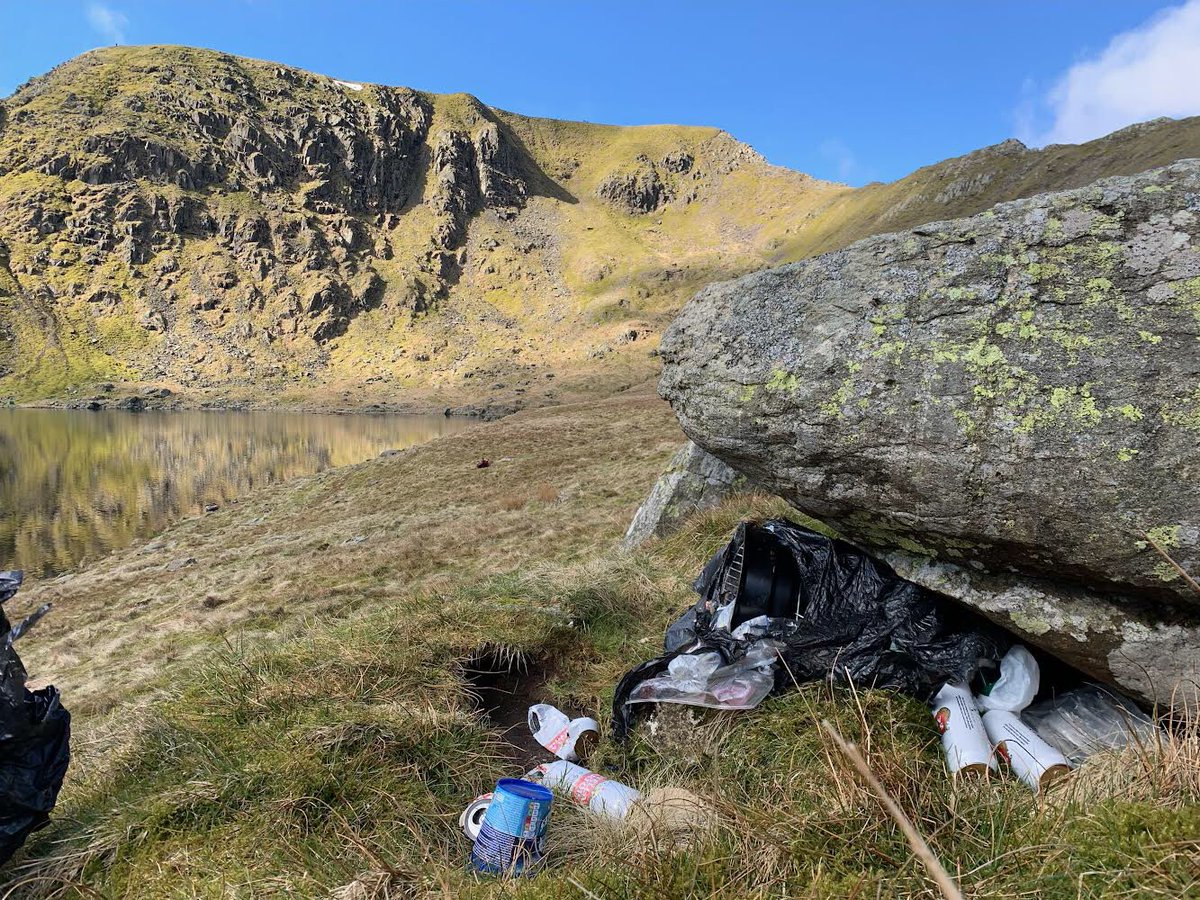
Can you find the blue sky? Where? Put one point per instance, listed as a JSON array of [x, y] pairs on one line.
[[849, 91]]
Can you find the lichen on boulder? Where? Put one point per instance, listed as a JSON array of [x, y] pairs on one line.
[[1015, 394]]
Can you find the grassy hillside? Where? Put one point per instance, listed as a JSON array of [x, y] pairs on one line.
[[240, 231], [296, 715], [297, 695]]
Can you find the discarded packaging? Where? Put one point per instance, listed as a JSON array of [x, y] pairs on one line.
[[826, 608], [510, 839], [1089, 719], [964, 740], [1018, 682], [1033, 760], [704, 680], [569, 739], [471, 819], [36, 733], [586, 788]]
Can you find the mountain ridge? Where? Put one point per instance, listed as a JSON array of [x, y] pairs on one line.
[[242, 232]]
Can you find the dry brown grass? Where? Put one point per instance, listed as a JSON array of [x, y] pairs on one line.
[[279, 557], [513, 502]]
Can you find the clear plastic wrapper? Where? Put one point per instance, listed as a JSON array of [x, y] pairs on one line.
[[1089, 719], [701, 680]]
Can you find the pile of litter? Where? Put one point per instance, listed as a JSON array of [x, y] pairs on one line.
[[781, 605], [1041, 742], [35, 733], [507, 826]]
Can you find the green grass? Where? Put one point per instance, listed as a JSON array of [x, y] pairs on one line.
[[347, 751]]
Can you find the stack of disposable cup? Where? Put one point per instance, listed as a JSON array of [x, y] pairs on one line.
[[964, 740], [1033, 760]]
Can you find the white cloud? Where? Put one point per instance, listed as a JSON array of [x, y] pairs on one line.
[[109, 22], [841, 157], [1150, 71]]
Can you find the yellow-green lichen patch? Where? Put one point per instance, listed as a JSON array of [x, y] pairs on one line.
[[1128, 411], [1183, 412], [1166, 536], [1078, 403], [782, 382], [1187, 293], [834, 405], [1030, 623]]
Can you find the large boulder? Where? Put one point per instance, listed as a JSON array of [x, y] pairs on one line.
[[693, 481], [1007, 406]]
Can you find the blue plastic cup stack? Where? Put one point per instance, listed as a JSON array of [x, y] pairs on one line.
[[510, 840]]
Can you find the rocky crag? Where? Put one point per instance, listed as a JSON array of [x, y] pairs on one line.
[[1006, 405], [239, 231]]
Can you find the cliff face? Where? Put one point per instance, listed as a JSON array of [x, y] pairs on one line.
[[235, 229], [186, 218]]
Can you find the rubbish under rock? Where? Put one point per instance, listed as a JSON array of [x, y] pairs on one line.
[[1033, 760], [964, 739], [824, 609], [703, 678], [1090, 719], [1020, 677], [782, 604], [35, 733]]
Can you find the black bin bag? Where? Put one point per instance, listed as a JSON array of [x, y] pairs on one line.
[[35, 732], [834, 612]]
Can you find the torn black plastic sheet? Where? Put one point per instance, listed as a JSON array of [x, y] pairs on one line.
[[35, 733], [834, 613]]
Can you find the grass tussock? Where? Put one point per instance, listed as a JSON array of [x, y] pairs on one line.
[[333, 760]]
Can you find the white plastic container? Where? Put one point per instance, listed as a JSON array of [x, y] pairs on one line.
[[964, 740], [1033, 760], [569, 739], [601, 795]]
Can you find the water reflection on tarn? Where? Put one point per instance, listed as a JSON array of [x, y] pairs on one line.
[[75, 485]]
